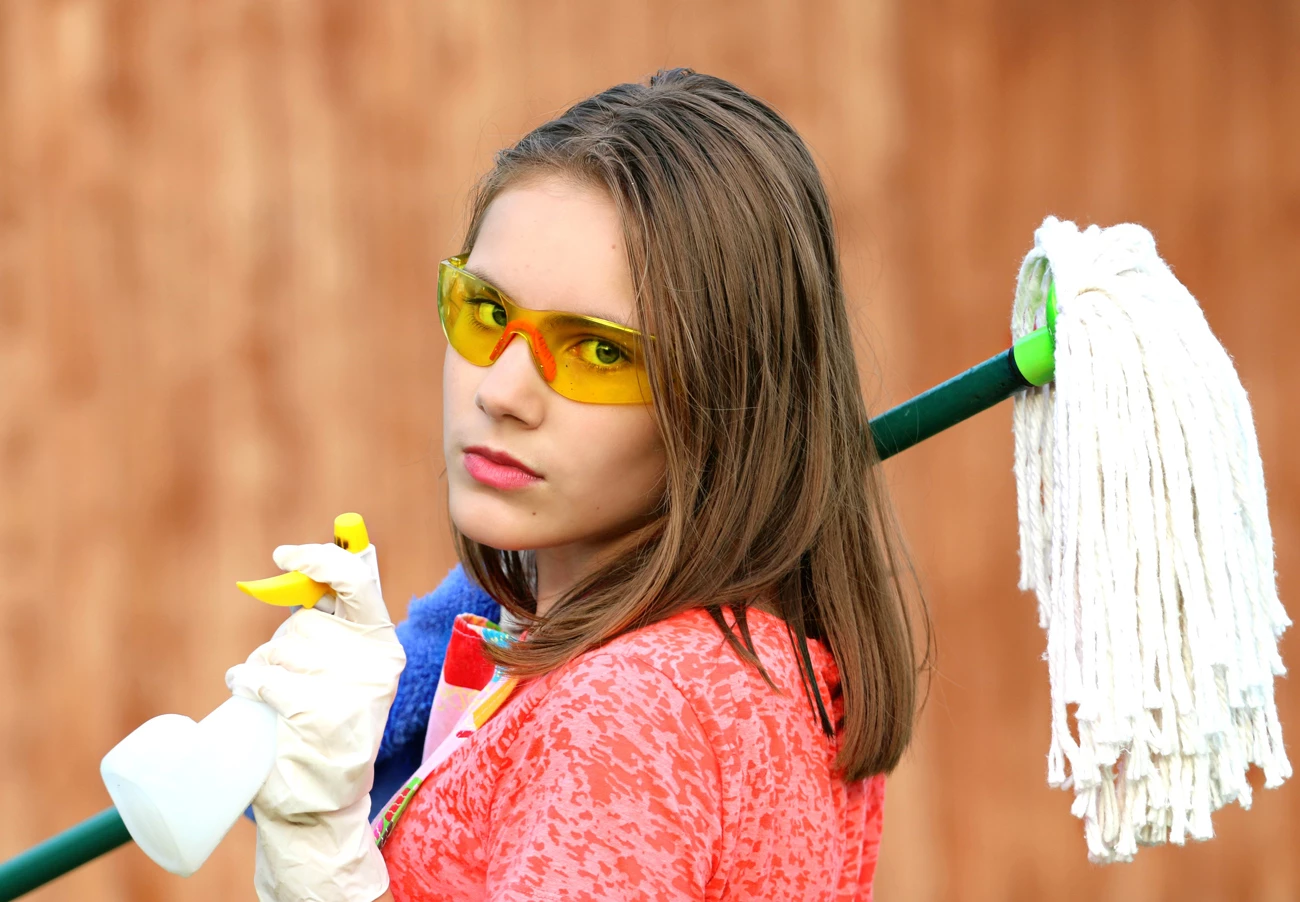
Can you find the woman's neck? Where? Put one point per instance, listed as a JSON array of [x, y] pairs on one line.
[[559, 569]]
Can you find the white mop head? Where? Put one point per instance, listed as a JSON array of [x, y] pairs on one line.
[[1144, 530]]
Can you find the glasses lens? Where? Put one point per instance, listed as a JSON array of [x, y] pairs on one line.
[[596, 362], [589, 360], [473, 315]]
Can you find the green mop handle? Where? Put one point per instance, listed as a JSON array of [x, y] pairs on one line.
[[1027, 363], [62, 853], [1030, 362]]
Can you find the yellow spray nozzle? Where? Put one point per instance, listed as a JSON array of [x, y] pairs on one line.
[[297, 589], [350, 533]]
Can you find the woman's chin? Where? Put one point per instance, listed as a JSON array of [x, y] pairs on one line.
[[497, 526]]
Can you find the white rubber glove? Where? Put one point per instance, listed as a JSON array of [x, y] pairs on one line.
[[331, 678]]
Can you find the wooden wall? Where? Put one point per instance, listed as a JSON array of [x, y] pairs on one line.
[[219, 225]]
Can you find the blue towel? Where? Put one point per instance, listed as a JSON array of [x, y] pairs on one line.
[[424, 635]]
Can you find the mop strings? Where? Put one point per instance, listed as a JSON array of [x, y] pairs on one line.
[[1144, 532]]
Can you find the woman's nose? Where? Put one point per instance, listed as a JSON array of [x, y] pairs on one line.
[[511, 386]]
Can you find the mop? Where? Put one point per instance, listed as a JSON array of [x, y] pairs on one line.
[[1144, 531]]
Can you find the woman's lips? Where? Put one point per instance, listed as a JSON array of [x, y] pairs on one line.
[[497, 475]]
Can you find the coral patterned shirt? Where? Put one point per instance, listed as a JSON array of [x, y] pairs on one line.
[[660, 766]]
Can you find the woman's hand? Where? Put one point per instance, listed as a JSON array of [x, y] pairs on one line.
[[331, 678]]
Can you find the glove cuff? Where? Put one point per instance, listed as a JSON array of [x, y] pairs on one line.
[[321, 857]]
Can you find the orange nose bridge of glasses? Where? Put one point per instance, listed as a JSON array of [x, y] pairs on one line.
[[541, 352]]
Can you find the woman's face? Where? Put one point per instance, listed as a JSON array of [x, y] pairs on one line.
[[549, 244]]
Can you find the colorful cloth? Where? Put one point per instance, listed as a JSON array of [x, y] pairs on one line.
[[424, 634], [659, 766], [470, 690], [465, 671]]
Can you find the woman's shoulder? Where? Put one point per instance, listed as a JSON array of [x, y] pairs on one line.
[[691, 646], [689, 638], [686, 657], [682, 652], [688, 649]]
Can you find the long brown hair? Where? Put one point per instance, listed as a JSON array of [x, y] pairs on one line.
[[773, 493]]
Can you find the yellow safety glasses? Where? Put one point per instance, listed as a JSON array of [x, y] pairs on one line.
[[581, 357]]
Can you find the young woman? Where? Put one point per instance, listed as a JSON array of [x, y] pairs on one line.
[[658, 464]]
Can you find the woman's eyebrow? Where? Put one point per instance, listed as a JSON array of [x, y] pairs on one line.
[[480, 273], [485, 276]]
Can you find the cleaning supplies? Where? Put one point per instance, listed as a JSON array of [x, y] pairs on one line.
[[178, 785], [1144, 530], [331, 678], [294, 589], [1159, 602]]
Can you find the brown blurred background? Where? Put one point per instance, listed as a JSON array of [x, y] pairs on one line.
[[219, 228]]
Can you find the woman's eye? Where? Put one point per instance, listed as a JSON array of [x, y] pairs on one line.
[[490, 313], [600, 353]]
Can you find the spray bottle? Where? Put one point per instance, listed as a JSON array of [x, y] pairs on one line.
[[179, 785]]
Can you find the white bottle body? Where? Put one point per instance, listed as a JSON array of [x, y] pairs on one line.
[[180, 786]]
